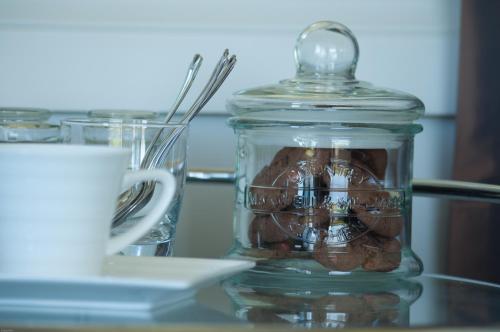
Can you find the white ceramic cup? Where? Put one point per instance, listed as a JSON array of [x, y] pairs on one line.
[[56, 206]]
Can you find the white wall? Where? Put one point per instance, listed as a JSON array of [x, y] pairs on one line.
[[65, 52], [70, 55]]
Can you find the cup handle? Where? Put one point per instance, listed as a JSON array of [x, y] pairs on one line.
[[118, 242]]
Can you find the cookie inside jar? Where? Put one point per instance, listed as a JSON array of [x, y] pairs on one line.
[[328, 205]]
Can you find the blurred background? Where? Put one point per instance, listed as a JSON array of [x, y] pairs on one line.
[[73, 56]]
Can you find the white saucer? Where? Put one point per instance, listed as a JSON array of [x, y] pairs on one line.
[[132, 284]]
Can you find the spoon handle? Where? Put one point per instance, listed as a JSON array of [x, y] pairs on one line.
[[188, 82], [158, 151], [219, 67], [219, 75]]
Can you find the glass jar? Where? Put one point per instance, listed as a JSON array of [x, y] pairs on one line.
[[27, 125], [324, 168]]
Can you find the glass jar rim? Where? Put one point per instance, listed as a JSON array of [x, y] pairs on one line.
[[112, 122], [397, 129], [132, 114], [24, 114]]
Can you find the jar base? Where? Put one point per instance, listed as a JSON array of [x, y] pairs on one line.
[[306, 268]]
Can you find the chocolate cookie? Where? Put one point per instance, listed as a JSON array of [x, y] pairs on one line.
[[373, 207], [339, 256], [385, 222], [264, 230], [314, 217], [381, 254], [354, 309], [368, 196], [278, 250], [291, 156], [275, 187], [272, 192], [374, 160], [287, 226]]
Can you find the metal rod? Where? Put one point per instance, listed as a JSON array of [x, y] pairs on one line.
[[211, 176], [457, 190]]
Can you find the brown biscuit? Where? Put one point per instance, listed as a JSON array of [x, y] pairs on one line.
[[372, 252], [340, 155], [274, 228], [355, 175], [306, 161], [359, 184], [315, 217], [275, 187], [358, 171], [339, 257], [385, 222], [388, 316], [372, 206], [368, 196], [355, 309], [279, 250], [291, 156], [283, 158], [285, 226], [278, 302], [374, 160], [381, 254], [264, 229], [300, 167], [271, 192], [289, 224], [382, 300], [341, 303], [265, 315]]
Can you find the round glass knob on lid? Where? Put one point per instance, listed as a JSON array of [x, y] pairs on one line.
[[326, 48], [324, 89]]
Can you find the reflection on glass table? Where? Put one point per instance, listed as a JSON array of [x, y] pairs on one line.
[[324, 304], [426, 301], [248, 300]]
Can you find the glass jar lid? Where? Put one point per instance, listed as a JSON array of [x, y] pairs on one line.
[[324, 89]]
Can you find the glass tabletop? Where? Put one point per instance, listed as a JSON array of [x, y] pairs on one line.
[[251, 300], [427, 301]]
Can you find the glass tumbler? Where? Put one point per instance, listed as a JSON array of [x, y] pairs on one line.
[[27, 125], [137, 135]]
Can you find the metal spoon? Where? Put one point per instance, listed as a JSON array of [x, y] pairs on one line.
[[220, 73], [157, 157], [188, 82], [127, 197]]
